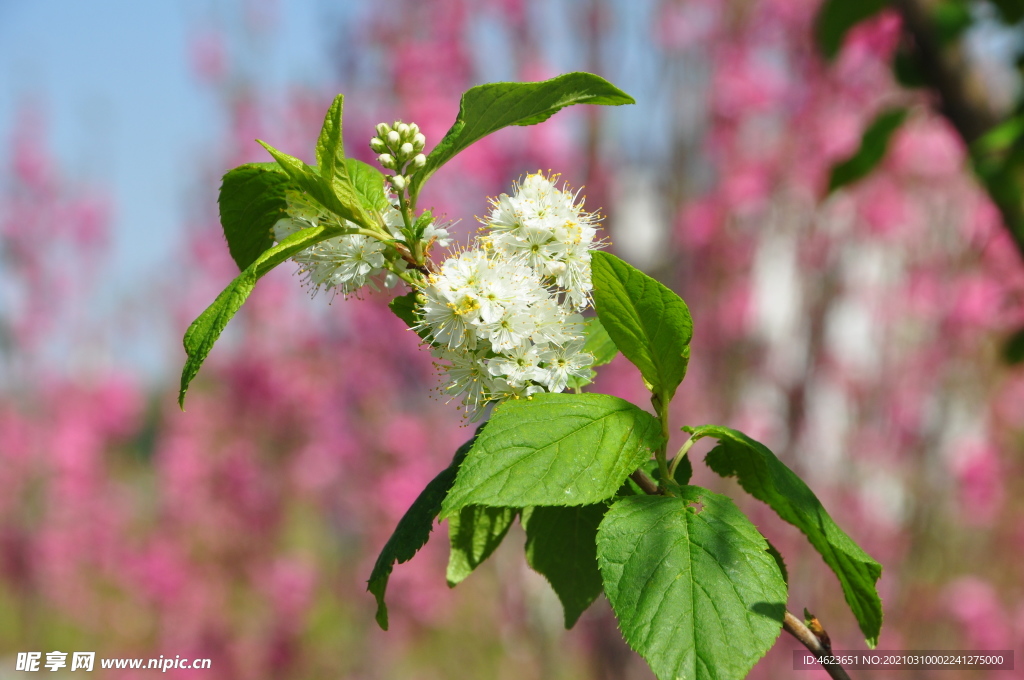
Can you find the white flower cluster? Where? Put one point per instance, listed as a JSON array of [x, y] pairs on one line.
[[505, 315], [545, 227], [346, 262]]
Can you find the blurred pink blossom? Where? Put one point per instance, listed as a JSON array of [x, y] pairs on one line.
[[978, 607], [979, 473]]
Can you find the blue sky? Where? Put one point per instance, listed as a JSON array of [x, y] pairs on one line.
[[124, 112]]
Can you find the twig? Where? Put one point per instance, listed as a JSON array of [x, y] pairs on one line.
[[801, 632], [644, 482]]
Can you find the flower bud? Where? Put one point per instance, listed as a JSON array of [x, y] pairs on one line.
[[555, 268], [386, 160], [403, 129], [398, 182], [378, 145], [383, 129], [418, 161], [419, 141], [406, 150], [394, 139]]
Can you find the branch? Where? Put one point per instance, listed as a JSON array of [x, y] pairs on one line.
[[964, 100], [808, 639], [644, 482]]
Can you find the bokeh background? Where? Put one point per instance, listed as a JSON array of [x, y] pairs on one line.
[[859, 332]]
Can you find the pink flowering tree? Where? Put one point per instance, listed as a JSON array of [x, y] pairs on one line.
[[856, 332], [858, 309]]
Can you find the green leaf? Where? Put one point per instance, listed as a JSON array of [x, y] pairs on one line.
[[252, 200], [554, 449], [777, 556], [873, 146], [204, 331], [906, 66], [684, 471], [576, 382], [630, 488], [330, 149], [767, 479], [308, 179], [405, 308], [487, 108], [413, 530], [425, 219], [1000, 139], [649, 323], [600, 346], [561, 545], [837, 17], [473, 535], [358, 187], [337, 195], [598, 342], [1013, 348], [369, 186], [998, 158], [690, 579], [950, 18], [1011, 11]]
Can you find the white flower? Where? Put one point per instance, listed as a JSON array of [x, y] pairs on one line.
[[467, 374], [343, 261], [462, 274], [574, 275], [562, 362], [530, 244], [438, 235], [448, 320], [286, 226], [508, 286], [431, 233], [498, 295], [348, 262], [540, 203], [358, 257], [503, 314], [509, 331], [554, 268], [502, 390], [504, 215], [518, 366], [544, 227], [552, 324]]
